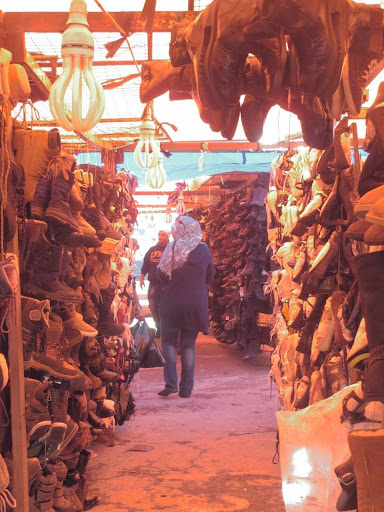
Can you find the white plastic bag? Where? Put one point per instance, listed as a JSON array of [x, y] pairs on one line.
[[313, 442]]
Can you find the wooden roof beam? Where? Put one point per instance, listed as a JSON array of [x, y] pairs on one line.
[[98, 22]]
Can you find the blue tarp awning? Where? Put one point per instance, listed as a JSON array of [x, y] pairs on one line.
[[182, 166]]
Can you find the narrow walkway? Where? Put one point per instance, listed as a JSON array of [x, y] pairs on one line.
[[210, 453]]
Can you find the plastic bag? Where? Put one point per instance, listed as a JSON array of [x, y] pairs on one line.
[[153, 357], [313, 442], [141, 336]]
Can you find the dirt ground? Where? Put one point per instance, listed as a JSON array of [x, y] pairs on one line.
[[210, 453]]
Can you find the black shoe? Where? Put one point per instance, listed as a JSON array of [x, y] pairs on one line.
[[167, 392], [185, 394]]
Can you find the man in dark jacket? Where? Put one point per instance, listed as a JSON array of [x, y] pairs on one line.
[[155, 290]]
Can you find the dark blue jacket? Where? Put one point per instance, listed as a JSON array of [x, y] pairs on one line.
[[185, 299]]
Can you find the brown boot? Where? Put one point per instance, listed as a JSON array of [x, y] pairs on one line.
[[367, 449], [60, 504], [42, 492]]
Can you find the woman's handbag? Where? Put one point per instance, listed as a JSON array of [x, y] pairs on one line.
[[153, 357]]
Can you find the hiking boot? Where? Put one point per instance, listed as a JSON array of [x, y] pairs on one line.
[[60, 504], [98, 369], [108, 228], [42, 491], [106, 325], [44, 281], [73, 321], [52, 362], [70, 433], [35, 232], [321, 37], [219, 41], [34, 316], [61, 236], [58, 210], [37, 417], [35, 320], [92, 212], [88, 309], [41, 198]]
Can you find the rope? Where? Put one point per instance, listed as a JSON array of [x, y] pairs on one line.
[[122, 32]]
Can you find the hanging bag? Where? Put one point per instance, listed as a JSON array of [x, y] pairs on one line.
[[141, 336], [153, 357]]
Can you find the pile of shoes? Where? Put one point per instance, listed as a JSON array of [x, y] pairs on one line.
[[329, 302], [310, 58], [235, 231], [78, 300], [316, 225]]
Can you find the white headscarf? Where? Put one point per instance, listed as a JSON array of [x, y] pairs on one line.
[[187, 235]]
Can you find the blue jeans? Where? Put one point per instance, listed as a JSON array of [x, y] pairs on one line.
[[187, 340]]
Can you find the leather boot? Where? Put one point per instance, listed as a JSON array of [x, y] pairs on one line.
[[219, 42], [35, 232], [92, 212], [364, 51], [36, 353], [106, 324], [368, 270], [81, 467], [42, 492], [346, 476], [58, 211], [178, 51], [37, 417], [52, 358], [44, 281], [41, 198], [60, 504], [321, 35], [367, 449]]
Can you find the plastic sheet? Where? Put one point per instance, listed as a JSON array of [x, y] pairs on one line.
[[313, 442]]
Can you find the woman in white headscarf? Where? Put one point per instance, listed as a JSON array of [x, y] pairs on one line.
[[185, 268]]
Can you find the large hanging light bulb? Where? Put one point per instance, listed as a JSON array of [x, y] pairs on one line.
[[156, 176], [147, 141], [77, 51], [180, 208]]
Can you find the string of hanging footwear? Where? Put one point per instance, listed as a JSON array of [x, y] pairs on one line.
[[235, 230]]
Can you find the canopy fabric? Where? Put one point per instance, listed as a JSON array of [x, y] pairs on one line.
[[184, 166]]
